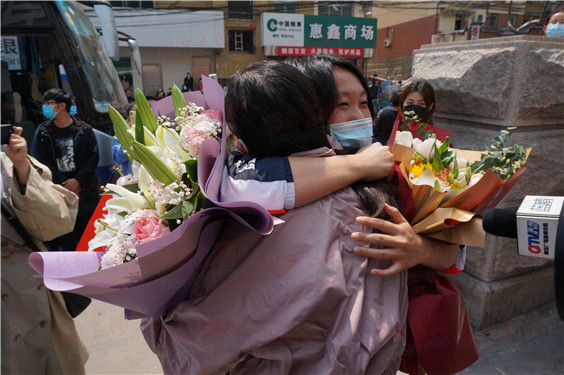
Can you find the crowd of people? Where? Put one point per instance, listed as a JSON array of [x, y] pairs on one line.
[[329, 291]]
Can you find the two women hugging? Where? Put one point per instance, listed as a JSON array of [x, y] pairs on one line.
[[307, 298]]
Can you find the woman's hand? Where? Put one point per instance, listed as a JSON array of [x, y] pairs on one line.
[[401, 245], [374, 162]]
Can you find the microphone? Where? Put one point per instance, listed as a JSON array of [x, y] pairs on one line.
[[500, 222], [538, 225]]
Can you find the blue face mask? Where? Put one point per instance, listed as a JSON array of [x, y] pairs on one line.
[[555, 30], [353, 134], [48, 111], [73, 110]]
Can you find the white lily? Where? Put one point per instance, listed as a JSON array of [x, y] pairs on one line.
[[170, 140], [404, 138], [425, 147], [150, 139], [135, 201], [453, 192], [462, 163], [107, 231], [147, 184], [425, 178]]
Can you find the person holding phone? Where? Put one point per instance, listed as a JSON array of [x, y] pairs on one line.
[[38, 334]]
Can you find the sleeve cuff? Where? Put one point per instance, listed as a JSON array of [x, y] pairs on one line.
[[458, 265]]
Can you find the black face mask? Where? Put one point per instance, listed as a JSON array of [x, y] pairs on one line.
[[422, 112]]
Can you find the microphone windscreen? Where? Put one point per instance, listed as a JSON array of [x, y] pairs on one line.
[[500, 222]]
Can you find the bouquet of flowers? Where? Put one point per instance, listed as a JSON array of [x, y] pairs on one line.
[[451, 187], [166, 192], [154, 232]]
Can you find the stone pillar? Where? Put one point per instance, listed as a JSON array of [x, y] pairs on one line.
[[482, 87]]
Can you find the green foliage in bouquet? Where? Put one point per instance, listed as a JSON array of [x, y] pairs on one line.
[[408, 118], [504, 161], [137, 147]]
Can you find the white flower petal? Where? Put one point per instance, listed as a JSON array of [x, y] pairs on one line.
[[404, 138], [136, 200], [425, 178]]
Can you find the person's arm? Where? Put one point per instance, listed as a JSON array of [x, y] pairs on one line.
[[46, 210], [279, 183], [16, 150], [266, 181], [89, 146], [118, 155], [316, 177], [400, 244]]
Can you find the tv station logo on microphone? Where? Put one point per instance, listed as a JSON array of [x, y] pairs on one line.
[[536, 239], [537, 225]]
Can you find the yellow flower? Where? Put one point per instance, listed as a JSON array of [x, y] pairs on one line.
[[416, 169]]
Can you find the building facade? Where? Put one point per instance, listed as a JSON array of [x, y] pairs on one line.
[[220, 37], [404, 28]]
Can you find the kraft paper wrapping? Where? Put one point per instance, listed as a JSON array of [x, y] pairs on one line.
[[453, 225], [458, 219]]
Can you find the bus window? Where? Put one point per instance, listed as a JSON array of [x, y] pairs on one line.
[[33, 72], [98, 69]]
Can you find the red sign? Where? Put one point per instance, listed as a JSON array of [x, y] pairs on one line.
[[475, 32], [306, 51]]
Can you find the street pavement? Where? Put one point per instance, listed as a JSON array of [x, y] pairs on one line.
[[115, 345], [529, 344]]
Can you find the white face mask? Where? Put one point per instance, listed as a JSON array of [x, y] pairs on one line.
[[357, 133]]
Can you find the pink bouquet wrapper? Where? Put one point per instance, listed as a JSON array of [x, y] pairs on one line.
[[165, 268]]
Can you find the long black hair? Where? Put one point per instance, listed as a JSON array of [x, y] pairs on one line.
[[275, 110]]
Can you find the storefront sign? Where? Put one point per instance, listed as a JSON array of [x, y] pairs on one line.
[[11, 52], [281, 29], [298, 30], [340, 32], [306, 51]]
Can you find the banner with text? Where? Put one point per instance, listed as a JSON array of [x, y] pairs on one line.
[[298, 30], [306, 51]]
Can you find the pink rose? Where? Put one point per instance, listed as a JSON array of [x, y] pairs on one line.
[[193, 138], [149, 227], [213, 114]]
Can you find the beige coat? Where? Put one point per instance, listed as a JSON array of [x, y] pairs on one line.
[[38, 334]]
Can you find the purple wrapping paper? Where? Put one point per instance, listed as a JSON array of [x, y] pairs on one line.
[[166, 266]]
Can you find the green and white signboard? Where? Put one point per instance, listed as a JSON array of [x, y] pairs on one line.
[[299, 30]]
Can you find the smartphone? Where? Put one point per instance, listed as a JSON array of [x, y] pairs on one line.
[[7, 131]]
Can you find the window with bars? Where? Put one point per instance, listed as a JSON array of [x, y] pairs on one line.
[[285, 6], [240, 10], [493, 20], [241, 41], [334, 8]]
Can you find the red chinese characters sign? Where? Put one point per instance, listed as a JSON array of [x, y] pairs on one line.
[[306, 51]]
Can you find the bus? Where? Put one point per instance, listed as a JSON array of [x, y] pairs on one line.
[[52, 44]]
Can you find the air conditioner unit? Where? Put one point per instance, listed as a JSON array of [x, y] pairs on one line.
[[479, 17], [387, 42]]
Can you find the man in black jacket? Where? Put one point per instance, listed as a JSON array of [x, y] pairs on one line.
[[68, 147]]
